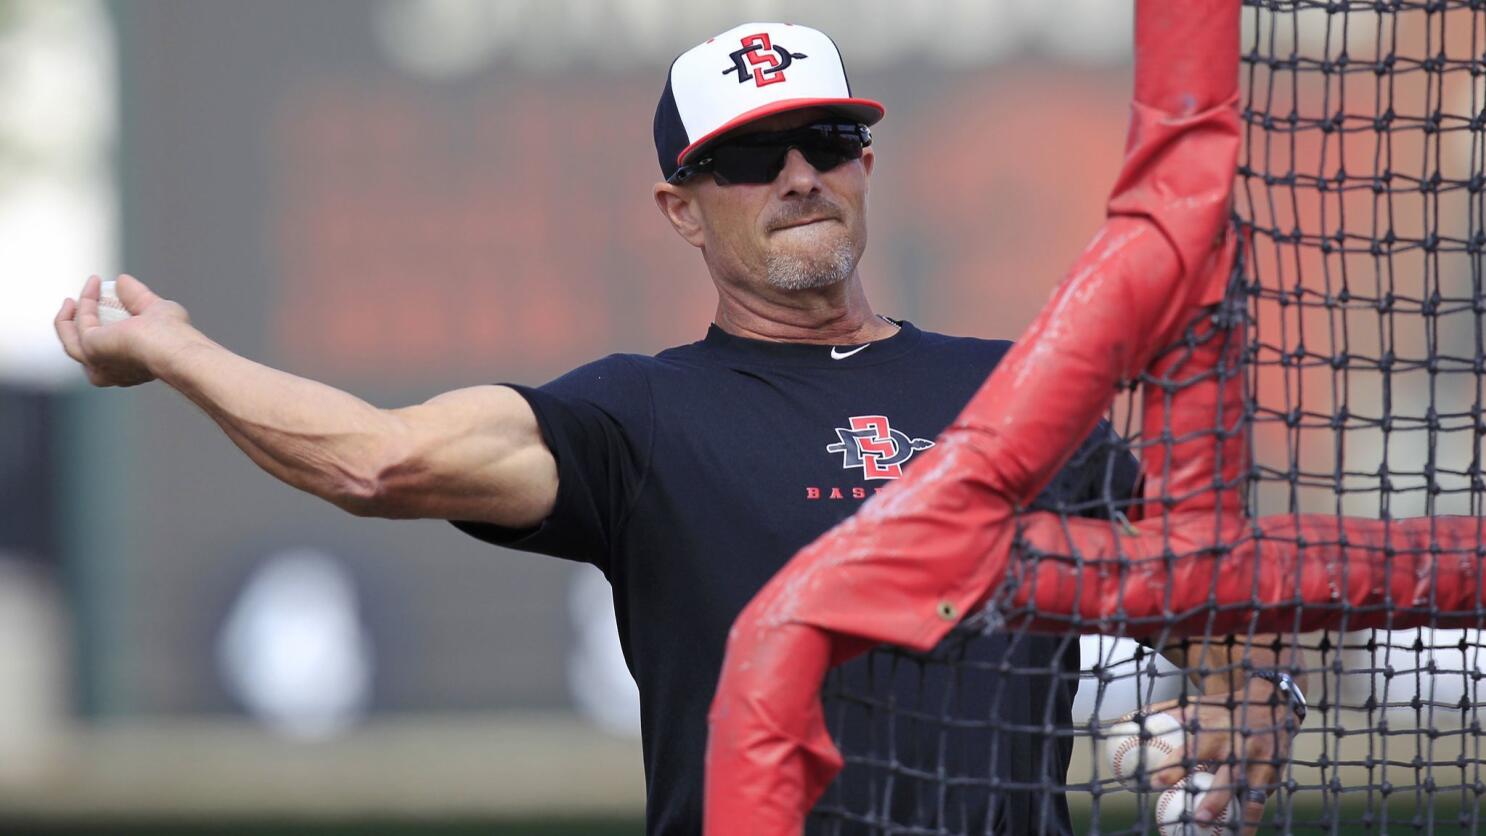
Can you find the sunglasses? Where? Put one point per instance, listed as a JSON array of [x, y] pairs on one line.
[[758, 158]]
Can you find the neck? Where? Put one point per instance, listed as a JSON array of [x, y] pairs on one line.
[[835, 315]]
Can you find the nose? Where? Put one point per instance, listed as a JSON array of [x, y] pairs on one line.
[[798, 177]]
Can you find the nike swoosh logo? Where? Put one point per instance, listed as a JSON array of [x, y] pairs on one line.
[[838, 354]]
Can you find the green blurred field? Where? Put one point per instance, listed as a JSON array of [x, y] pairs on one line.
[[1402, 817]]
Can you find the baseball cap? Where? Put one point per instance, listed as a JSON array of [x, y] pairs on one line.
[[746, 73]]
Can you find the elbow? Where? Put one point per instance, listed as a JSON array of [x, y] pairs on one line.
[[374, 490], [362, 498]]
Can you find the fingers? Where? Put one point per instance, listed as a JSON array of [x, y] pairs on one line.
[[87, 305], [1250, 742], [1262, 777], [1253, 813], [1259, 772], [1215, 735], [1248, 800], [1212, 743], [1216, 799], [134, 294], [1207, 742], [67, 330]]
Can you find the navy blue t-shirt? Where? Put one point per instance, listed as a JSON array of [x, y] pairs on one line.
[[691, 477]]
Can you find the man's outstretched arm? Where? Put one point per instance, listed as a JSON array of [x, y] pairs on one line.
[[472, 454]]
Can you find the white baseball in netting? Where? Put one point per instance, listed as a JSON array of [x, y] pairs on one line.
[[1129, 754], [110, 309], [1177, 806]]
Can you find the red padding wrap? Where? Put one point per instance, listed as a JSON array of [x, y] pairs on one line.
[[1185, 575]]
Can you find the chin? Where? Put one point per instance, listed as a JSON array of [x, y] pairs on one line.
[[821, 265], [804, 281]]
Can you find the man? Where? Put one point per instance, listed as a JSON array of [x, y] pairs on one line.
[[689, 477]]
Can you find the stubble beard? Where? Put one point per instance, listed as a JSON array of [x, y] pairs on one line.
[[822, 268]]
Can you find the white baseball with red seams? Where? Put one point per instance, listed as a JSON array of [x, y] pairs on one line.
[[1130, 755], [110, 309], [1176, 806]]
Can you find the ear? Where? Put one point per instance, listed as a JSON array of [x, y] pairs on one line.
[[869, 157], [678, 204]]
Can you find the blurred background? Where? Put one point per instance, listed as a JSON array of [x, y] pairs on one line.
[[399, 197]]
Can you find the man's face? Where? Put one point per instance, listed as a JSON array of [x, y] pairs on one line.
[[807, 229]]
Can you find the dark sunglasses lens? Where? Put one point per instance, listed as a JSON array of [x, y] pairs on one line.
[[829, 152], [738, 164], [758, 162]]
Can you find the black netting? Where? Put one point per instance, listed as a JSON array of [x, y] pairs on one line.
[[1357, 322]]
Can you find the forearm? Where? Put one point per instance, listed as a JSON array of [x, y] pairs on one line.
[[309, 435]]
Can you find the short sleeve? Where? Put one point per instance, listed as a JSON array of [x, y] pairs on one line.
[[597, 421]]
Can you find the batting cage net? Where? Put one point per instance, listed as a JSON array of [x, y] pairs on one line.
[[1238, 452]]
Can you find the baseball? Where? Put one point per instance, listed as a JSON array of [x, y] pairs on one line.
[[1130, 756], [110, 309], [1176, 806]]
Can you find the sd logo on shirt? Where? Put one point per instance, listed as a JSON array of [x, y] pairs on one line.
[[878, 449]]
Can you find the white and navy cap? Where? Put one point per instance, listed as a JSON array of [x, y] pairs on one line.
[[747, 73]]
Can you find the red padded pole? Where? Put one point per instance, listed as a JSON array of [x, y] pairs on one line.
[[1279, 575], [1195, 448]]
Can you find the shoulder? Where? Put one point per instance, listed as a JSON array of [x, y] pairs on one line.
[[975, 350], [627, 384], [616, 379], [625, 375]]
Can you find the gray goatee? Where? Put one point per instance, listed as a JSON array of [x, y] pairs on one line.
[[819, 269]]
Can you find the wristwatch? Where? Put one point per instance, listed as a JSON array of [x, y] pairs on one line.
[[1285, 684]]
